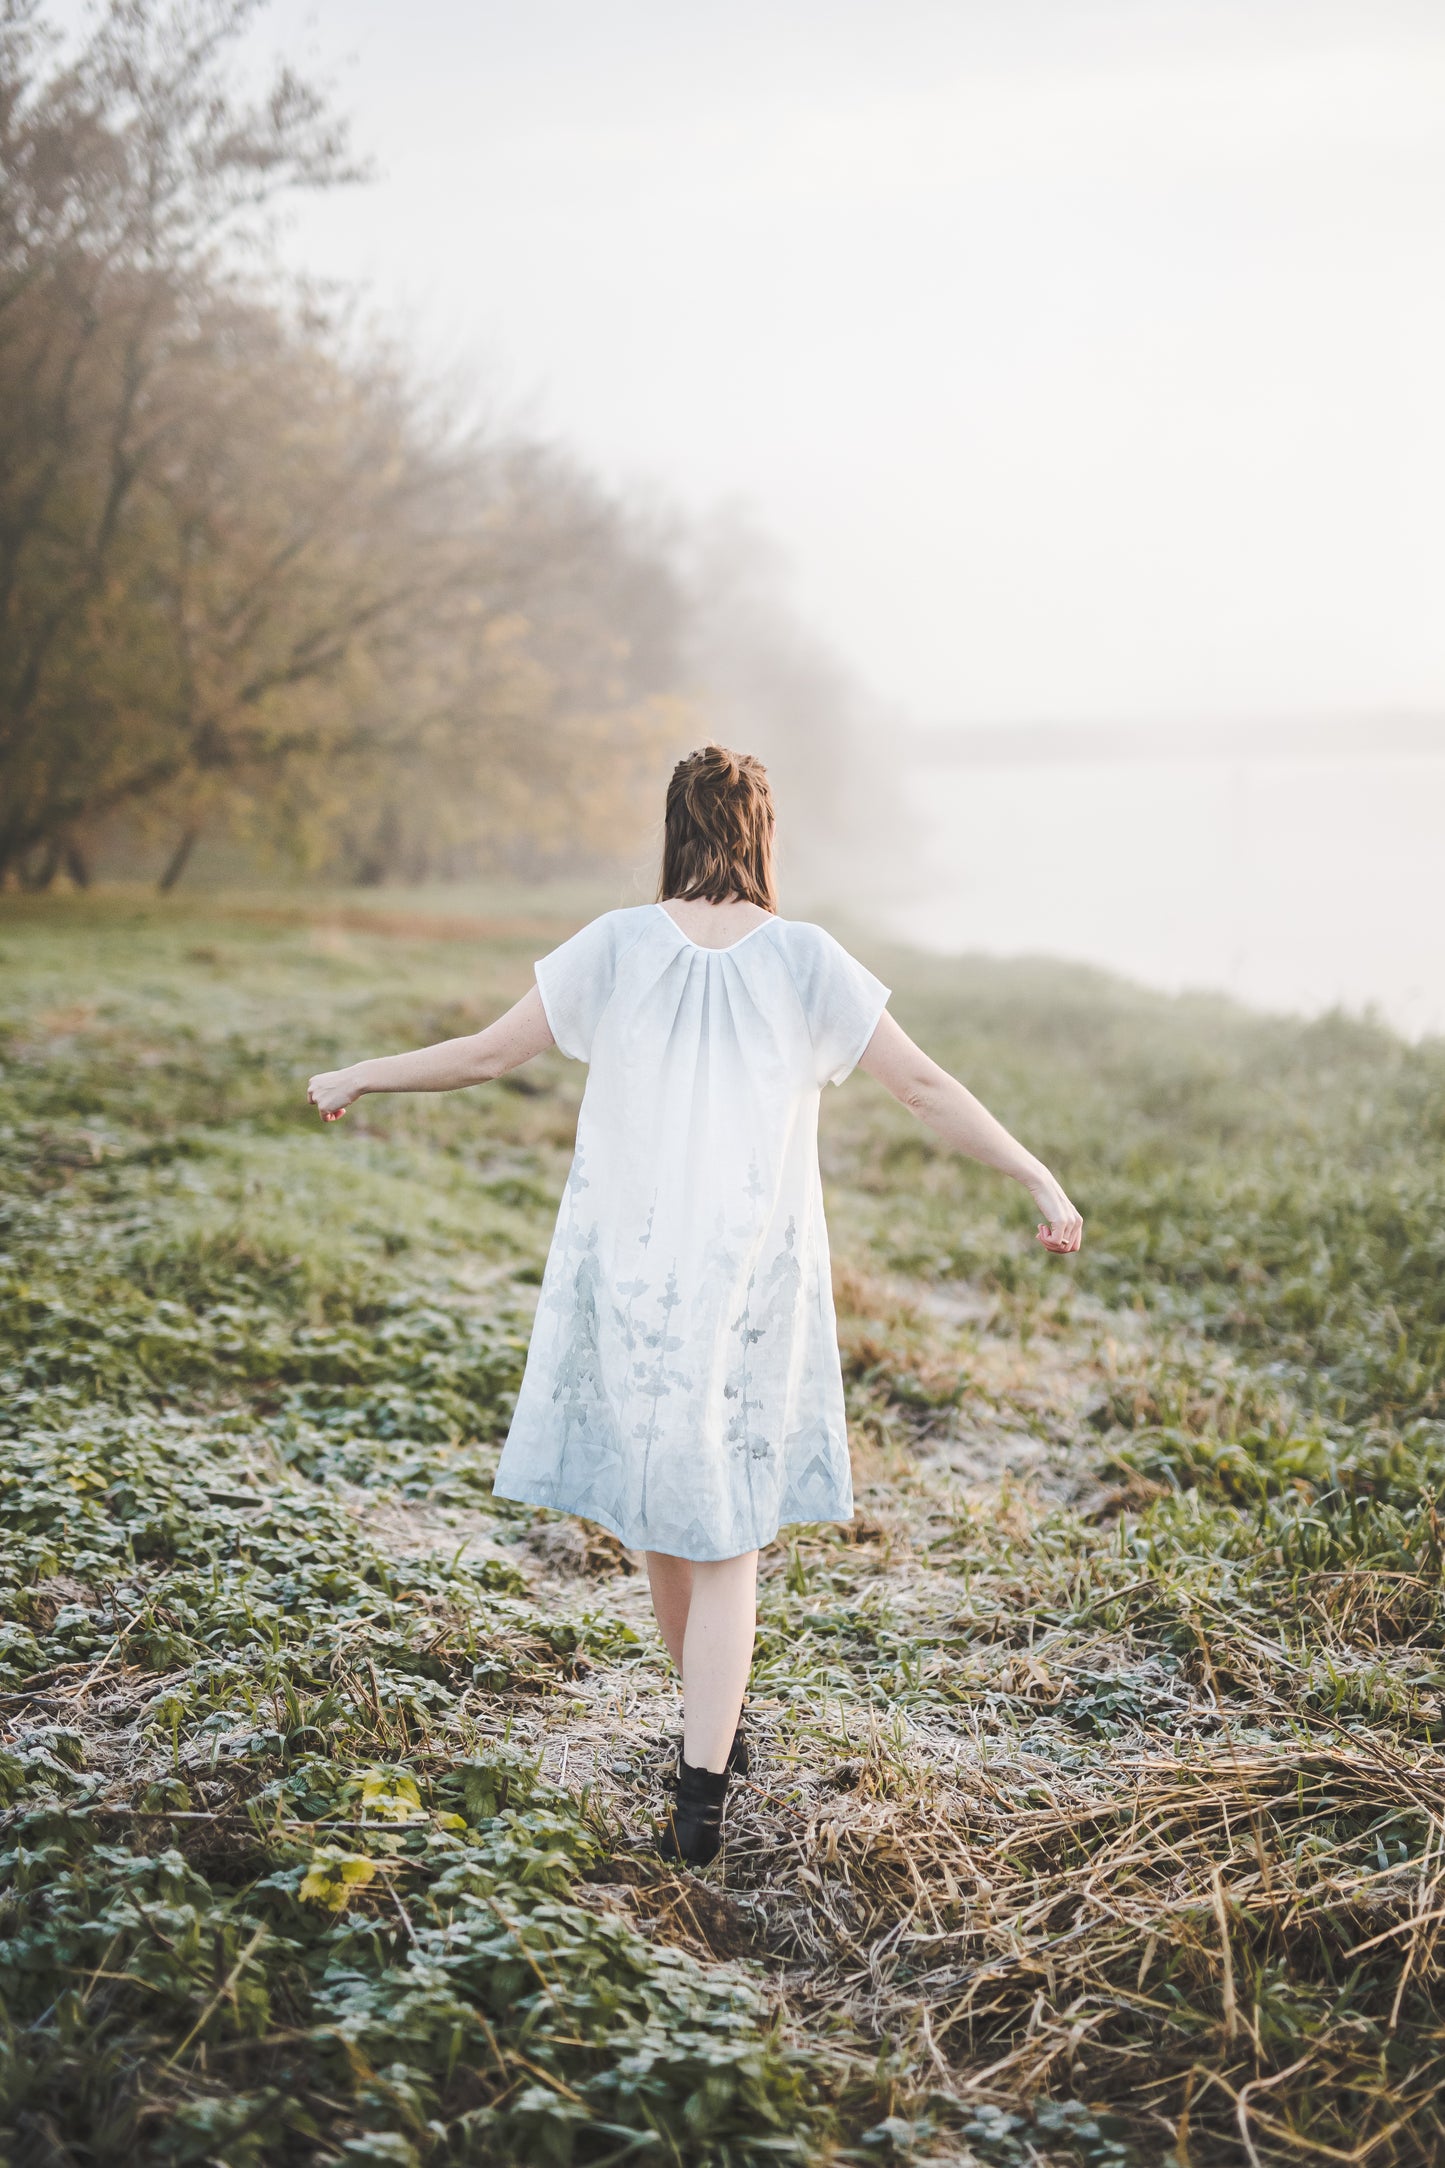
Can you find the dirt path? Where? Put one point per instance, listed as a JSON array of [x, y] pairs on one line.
[[820, 1877]]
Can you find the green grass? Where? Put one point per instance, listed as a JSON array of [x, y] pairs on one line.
[[1099, 1811]]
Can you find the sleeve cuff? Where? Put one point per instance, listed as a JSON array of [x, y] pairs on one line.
[[547, 1010], [860, 1047]]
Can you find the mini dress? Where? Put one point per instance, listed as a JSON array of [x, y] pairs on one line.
[[683, 1385]]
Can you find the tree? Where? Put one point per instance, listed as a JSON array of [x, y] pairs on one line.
[[129, 179], [254, 577], [249, 574], [527, 722]]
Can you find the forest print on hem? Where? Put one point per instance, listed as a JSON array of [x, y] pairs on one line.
[[683, 1385]]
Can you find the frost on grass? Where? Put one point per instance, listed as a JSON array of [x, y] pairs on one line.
[[1097, 1810]]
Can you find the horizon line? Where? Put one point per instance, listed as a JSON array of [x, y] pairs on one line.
[[1390, 737]]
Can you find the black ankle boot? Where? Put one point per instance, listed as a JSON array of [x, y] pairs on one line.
[[739, 1760], [692, 1831]]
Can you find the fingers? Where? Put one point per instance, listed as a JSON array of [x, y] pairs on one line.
[[1063, 1231], [315, 1099]]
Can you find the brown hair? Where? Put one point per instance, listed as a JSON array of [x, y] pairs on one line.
[[717, 837]]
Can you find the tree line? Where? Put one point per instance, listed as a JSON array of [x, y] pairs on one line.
[[254, 579]]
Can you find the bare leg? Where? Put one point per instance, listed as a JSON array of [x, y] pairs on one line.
[[670, 1580], [717, 1653]]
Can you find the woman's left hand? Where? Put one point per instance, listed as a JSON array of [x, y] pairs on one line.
[[1062, 1229], [332, 1092]]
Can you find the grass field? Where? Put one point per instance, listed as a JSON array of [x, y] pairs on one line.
[[1099, 1810]]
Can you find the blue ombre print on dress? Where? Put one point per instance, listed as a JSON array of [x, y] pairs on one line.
[[683, 1385]]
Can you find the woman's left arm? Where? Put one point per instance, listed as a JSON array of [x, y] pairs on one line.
[[447, 1067], [942, 1102]]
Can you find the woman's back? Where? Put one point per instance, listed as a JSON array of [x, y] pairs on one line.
[[685, 1329], [737, 1035]]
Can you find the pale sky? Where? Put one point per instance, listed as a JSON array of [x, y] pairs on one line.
[[1084, 356]]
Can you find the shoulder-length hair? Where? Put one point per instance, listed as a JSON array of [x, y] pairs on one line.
[[717, 837]]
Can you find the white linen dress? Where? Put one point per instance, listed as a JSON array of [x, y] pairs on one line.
[[683, 1385]]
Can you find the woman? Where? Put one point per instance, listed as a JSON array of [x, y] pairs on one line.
[[683, 1385]]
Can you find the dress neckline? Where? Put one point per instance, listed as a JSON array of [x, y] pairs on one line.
[[728, 946]]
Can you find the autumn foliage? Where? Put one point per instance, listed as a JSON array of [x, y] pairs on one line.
[[254, 579]]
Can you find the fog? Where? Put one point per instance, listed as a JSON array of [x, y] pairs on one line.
[[1080, 364], [1288, 879], [1082, 359]]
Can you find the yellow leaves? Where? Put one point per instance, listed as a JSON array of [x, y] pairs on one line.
[[389, 1797], [386, 1796], [391, 1793], [334, 1877], [81, 1478]]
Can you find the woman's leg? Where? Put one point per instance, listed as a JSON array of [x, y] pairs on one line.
[[670, 1580], [717, 1654]]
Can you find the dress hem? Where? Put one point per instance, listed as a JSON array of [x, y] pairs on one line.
[[524, 1497]]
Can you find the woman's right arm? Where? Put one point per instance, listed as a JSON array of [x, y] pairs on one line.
[[447, 1067], [964, 1122]]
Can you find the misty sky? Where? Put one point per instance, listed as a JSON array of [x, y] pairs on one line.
[[1084, 356]]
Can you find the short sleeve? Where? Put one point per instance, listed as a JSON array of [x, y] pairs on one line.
[[842, 1002], [576, 983]]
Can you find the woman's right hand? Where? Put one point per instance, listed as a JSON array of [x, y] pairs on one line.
[[333, 1091], [1062, 1226]]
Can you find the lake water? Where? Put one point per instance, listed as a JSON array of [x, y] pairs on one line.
[[1291, 883]]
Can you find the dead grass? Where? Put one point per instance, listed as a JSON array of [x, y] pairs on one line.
[[1209, 1930]]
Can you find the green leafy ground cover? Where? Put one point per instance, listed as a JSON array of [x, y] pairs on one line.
[[1098, 1812]]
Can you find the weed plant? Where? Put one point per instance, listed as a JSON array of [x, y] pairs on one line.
[[1098, 1809]]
